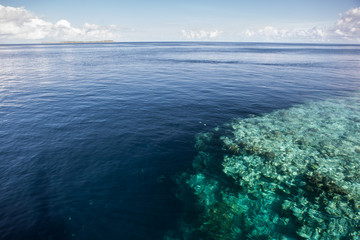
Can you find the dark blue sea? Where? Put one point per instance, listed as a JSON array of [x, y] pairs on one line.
[[93, 136]]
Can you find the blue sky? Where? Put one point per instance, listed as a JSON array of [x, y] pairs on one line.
[[159, 20]]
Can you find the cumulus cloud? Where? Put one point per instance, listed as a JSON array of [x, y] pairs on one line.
[[271, 33], [201, 34], [348, 25], [346, 28], [19, 23]]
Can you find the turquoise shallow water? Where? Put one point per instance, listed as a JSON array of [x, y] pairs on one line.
[[289, 174], [178, 140]]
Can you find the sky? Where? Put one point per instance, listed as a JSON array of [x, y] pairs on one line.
[[323, 21]]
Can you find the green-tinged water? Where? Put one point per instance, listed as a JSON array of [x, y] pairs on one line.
[[289, 174]]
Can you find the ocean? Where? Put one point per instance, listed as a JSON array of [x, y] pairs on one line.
[[145, 140]]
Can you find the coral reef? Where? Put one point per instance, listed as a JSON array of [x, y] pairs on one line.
[[289, 174]]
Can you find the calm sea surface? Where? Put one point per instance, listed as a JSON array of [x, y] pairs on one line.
[[92, 136]]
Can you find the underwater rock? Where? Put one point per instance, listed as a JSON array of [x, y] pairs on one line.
[[321, 184], [289, 174]]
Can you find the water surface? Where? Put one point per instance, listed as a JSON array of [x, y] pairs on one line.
[[93, 135]]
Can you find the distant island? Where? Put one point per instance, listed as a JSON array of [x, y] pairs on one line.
[[64, 42]]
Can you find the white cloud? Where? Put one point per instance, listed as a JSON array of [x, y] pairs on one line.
[[18, 23], [22, 25], [270, 33], [249, 33], [348, 25], [346, 28], [200, 34]]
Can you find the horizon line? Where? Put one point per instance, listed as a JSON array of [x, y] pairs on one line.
[[177, 41]]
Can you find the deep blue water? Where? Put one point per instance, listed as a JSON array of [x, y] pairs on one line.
[[93, 135]]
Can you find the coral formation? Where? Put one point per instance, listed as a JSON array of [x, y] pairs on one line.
[[289, 174]]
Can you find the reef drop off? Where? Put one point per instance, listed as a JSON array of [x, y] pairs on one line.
[[289, 174]]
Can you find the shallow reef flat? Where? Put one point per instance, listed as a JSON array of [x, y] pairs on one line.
[[289, 174]]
